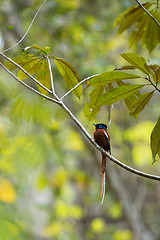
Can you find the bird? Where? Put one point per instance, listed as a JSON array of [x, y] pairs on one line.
[[102, 138]]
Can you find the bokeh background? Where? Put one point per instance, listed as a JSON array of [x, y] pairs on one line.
[[49, 172]]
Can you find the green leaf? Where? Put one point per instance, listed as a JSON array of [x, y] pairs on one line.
[[130, 17], [145, 28], [154, 70], [40, 49], [69, 75], [112, 76], [128, 101], [152, 36], [10, 27], [125, 67], [118, 94], [91, 111], [21, 60], [43, 76], [31, 67], [11, 66], [155, 140], [138, 105], [96, 94], [138, 34], [136, 61]]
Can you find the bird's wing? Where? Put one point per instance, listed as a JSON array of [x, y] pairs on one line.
[[108, 142]]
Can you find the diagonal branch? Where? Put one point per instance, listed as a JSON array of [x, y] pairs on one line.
[[113, 159], [76, 121], [27, 29], [149, 14]]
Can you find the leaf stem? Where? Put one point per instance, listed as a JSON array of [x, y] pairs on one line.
[[155, 86]]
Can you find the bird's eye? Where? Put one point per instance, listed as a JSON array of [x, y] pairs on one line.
[[100, 126]]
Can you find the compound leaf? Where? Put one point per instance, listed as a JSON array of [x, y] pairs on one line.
[[119, 93]]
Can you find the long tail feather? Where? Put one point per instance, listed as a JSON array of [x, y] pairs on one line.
[[102, 184], [103, 187], [103, 172]]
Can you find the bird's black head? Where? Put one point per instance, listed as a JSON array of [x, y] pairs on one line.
[[100, 126]]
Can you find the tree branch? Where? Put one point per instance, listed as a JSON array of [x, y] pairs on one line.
[[151, 83], [76, 121], [27, 29], [84, 80], [149, 14], [52, 82]]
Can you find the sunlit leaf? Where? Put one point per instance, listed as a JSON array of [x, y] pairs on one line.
[[137, 34], [98, 225], [31, 67], [124, 234], [130, 17], [35, 47], [155, 140], [115, 211], [69, 75], [42, 181], [138, 105], [125, 67], [43, 76], [154, 70], [65, 211], [7, 191], [118, 94], [129, 100], [136, 61], [10, 27], [91, 111], [152, 36], [34, 65], [11, 66], [112, 76], [96, 94], [54, 229], [145, 28], [27, 62]]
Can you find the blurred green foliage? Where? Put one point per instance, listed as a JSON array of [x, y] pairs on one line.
[[50, 181]]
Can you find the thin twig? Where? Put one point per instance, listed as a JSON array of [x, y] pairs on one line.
[[152, 84], [22, 69], [52, 82], [27, 29], [26, 85], [137, 172], [149, 14], [71, 90]]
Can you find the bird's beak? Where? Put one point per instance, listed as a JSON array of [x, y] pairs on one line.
[[95, 124]]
